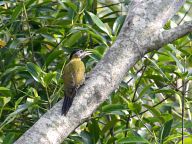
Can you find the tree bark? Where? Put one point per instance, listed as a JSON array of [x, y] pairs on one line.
[[141, 33]]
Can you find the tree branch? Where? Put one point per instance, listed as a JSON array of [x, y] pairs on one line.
[[175, 33], [168, 36], [139, 32]]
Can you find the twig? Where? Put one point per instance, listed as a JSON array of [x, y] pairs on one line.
[[183, 104], [184, 15], [137, 85], [152, 106]]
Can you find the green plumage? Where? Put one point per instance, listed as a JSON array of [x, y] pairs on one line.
[[74, 76]]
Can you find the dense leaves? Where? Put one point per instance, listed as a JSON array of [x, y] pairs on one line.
[[36, 38]]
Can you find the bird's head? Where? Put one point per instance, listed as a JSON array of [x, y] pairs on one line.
[[79, 54]]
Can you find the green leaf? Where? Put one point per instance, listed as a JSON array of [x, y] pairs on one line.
[[187, 140], [72, 39], [111, 140], [49, 77], [18, 102], [98, 37], [52, 56], [157, 67], [111, 108], [151, 120], [12, 70], [86, 137], [9, 138], [135, 107], [95, 54], [118, 24], [167, 91], [34, 70], [109, 14], [144, 90], [171, 138], [153, 110], [165, 130], [90, 3], [5, 91], [48, 37], [180, 66], [99, 23], [132, 139], [167, 117], [190, 36], [13, 115], [94, 130], [5, 100], [16, 12], [71, 5], [109, 125], [95, 34]]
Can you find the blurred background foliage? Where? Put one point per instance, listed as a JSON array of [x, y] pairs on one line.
[[36, 38]]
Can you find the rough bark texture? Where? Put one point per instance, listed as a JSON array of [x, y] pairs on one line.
[[141, 33]]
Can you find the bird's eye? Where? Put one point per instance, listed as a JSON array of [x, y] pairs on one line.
[[81, 51]]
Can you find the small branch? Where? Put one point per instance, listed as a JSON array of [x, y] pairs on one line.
[[152, 106], [138, 84], [183, 104], [183, 108], [170, 35], [184, 15], [136, 74]]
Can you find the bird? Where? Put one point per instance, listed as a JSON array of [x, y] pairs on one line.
[[74, 77]]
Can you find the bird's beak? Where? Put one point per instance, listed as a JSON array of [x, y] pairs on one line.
[[85, 53]]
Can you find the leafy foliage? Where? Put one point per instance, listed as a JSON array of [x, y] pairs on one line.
[[36, 38]]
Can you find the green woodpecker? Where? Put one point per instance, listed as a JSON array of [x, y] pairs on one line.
[[74, 76]]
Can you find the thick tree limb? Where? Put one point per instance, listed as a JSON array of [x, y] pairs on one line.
[[175, 33], [139, 35]]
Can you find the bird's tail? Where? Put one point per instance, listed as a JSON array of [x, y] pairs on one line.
[[66, 104]]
